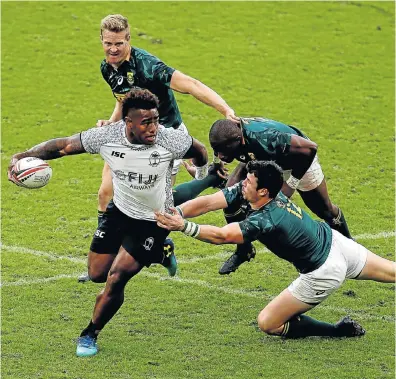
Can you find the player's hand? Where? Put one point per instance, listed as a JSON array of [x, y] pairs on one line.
[[219, 168], [230, 115], [103, 123], [10, 168], [168, 221], [190, 168]]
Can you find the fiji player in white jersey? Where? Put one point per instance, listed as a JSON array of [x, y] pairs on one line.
[[140, 153]]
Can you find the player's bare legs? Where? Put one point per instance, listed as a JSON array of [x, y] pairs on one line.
[[378, 269], [108, 301], [318, 201], [282, 308], [283, 316], [99, 266]]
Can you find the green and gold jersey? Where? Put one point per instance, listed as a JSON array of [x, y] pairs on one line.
[[267, 140], [145, 71], [286, 230]]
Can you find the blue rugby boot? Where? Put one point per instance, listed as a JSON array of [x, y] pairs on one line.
[[170, 262], [86, 346]]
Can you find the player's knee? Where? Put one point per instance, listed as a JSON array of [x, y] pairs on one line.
[[116, 281], [265, 323], [97, 277]]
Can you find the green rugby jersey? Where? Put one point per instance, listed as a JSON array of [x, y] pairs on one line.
[[145, 71], [267, 140], [286, 230]]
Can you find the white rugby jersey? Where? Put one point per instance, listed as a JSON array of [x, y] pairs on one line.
[[141, 173]]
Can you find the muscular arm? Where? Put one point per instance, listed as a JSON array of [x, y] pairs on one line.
[[52, 149], [230, 233], [198, 153], [302, 152], [203, 204], [188, 85]]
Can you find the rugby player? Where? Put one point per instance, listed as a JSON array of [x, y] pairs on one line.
[[140, 154], [264, 139], [125, 67], [323, 256]]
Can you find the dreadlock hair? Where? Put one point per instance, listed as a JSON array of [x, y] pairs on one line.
[[223, 131], [139, 99], [269, 175]]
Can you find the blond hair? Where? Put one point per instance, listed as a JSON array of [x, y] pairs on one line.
[[114, 23]]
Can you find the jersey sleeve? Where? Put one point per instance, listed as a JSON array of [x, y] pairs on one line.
[[255, 225], [274, 142], [233, 193], [157, 71], [105, 73], [175, 141], [93, 139]]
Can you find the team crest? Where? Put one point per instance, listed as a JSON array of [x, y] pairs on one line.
[[154, 159], [130, 78], [252, 156], [148, 244]]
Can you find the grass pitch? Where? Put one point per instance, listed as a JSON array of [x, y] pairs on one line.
[[326, 67]]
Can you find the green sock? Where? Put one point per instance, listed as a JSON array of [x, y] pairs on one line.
[[187, 191], [304, 326]]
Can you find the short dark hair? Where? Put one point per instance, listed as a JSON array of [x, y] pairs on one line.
[[223, 131], [269, 175], [138, 98]]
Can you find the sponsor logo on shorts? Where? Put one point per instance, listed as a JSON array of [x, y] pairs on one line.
[[148, 244], [317, 293], [99, 233]]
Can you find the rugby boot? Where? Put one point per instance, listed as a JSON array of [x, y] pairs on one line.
[[240, 256], [86, 346], [349, 328], [170, 262]]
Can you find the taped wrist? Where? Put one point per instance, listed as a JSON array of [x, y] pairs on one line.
[[201, 172], [293, 182], [179, 210], [191, 229]]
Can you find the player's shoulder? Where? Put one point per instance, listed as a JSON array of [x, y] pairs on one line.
[[104, 67], [141, 54], [173, 139]]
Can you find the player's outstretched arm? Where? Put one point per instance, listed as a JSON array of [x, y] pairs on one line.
[[230, 233], [188, 85], [52, 149]]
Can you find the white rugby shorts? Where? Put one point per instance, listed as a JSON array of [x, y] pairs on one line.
[[346, 260], [178, 162], [311, 179]]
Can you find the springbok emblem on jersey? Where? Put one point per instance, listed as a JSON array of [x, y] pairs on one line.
[[130, 78], [148, 244]]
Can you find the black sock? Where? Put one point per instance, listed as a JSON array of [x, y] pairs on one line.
[[339, 223], [91, 330], [100, 216], [190, 190], [305, 326]]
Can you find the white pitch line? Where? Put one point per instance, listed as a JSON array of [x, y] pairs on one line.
[[200, 283], [24, 282], [380, 235]]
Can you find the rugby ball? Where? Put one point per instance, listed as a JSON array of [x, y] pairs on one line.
[[31, 172]]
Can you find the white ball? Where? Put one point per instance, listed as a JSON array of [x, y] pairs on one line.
[[31, 172]]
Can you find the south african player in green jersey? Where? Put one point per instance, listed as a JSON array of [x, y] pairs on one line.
[[265, 139], [323, 256]]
